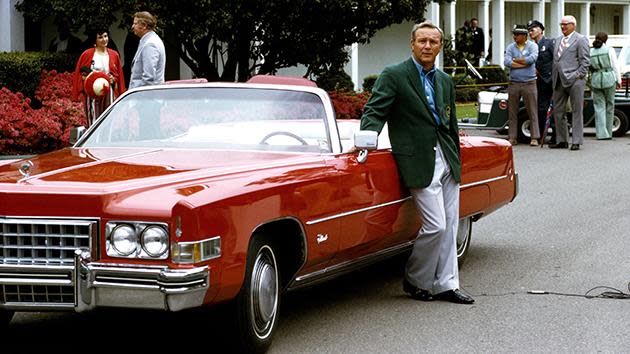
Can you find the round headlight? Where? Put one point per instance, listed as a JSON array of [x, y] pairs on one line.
[[154, 241], [124, 239]]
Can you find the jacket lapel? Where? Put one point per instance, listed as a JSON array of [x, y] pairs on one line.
[[439, 99]]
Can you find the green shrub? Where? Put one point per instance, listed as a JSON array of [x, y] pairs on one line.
[[466, 94], [368, 82], [493, 74], [335, 81], [20, 71]]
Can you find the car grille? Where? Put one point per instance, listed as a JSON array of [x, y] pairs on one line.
[[55, 294], [43, 241]]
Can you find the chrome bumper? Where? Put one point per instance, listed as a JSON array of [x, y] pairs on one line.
[[95, 284]]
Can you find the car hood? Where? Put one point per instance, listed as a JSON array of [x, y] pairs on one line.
[[139, 183], [109, 170]]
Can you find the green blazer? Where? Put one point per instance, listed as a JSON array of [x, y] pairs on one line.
[[398, 98]]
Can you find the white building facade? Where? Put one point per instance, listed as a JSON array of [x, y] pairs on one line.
[[391, 45]]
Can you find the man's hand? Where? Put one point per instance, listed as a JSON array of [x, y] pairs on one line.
[[520, 61], [352, 150], [517, 65]]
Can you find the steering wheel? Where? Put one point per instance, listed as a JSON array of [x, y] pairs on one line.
[[289, 134]]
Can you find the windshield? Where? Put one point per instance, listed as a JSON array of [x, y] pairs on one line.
[[215, 118]]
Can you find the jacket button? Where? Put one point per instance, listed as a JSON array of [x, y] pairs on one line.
[[434, 148]]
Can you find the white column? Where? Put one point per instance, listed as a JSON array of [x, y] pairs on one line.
[[11, 27], [585, 19], [433, 14], [449, 21], [625, 22], [484, 22], [539, 12], [498, 31], [354, 60], [557, 11]]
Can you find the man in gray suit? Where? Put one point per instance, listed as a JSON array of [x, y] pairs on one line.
[[571, 61], [149, 62], [417, 100]]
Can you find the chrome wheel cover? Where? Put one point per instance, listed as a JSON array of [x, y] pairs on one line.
[[264, 292], [526, 129], [463, 236], [616, 123]]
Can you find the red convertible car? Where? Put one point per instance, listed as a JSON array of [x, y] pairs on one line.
[[188, 195]]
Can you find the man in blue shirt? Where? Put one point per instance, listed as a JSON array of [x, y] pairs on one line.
[[520, 57]]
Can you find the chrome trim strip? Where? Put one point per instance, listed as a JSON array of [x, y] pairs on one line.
[[338, 267], [37, 306], [482, 182], [33, 276], [30, 281], [316, 221], [327, 218]]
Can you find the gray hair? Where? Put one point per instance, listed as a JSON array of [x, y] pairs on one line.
[[426, 24], [569, 19]]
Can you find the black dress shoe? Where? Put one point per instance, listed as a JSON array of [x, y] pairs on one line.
[[562, 145], [416, 293], [455, 296], [575, 147]]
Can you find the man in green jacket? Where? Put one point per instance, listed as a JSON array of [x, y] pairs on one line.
[[417, 100]]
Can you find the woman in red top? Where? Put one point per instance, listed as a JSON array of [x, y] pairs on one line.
[[99, 58]]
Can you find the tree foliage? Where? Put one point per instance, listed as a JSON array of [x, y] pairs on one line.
[[231, 40]]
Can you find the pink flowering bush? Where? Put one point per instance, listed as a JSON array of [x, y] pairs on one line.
[[25, 130], [348, 105]]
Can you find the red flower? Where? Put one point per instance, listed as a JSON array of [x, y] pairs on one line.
[[27, 130]]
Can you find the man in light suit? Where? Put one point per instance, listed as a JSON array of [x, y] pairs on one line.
[[417, 100], [571, 62], [147, 67]]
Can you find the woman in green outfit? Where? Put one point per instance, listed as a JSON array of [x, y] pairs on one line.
[[605, 77]]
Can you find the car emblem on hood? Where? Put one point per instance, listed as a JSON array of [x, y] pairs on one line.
[[26, 168]]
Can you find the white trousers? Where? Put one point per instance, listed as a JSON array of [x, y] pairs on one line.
[[432, 265]]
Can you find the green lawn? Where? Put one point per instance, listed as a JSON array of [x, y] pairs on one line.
[[466, 110]]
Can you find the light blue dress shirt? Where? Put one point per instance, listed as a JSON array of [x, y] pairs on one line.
[[428, 81]]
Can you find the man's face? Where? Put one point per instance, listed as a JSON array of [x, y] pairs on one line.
[[534, 33], [519, 38], [567, 28], [138, 28], [426, 46], [474, 23]]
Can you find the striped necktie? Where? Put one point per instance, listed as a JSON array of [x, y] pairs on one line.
[[563, 44]]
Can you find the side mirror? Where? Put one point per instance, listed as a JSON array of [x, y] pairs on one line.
[[364, 141], [76, 133]]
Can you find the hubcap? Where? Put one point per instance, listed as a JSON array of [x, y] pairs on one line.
[[616, 123], [526, 129], [264, 292]]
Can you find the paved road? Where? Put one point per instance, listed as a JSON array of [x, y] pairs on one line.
[[567, 232]]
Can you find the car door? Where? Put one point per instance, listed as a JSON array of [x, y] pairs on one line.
[[376, 211]]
